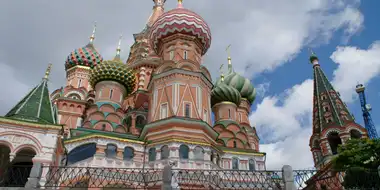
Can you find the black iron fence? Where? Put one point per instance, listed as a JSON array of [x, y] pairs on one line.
[[354, 178], [226, 179], [138, 178], [89, 177]]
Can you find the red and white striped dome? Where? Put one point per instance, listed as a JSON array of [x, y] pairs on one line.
[[180, 21]]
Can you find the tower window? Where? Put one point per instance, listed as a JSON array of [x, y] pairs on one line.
[[171, 55], [187, 110], [329, 120], [111, 92], [229, 113], [235, 164], [164, 111], [79, 83], [185, 54], [326, 109], [235, 145], [103, 127]]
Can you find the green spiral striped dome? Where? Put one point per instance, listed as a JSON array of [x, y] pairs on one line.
[[224, 93], [113, 70], [241, 84]]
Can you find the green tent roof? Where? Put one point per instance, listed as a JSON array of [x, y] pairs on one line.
[[35, 106]]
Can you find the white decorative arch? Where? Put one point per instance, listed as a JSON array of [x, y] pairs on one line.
[[75, 92], [20, 140]]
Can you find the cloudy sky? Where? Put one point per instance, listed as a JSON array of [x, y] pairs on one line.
[[270, 41]]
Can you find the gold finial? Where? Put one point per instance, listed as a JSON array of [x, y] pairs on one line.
[[221, 72], [93, 33], [229, 54], [179, 1], [118, 45], [47, 71], [179, 4]]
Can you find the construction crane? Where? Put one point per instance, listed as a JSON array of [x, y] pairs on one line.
[[366, 108]]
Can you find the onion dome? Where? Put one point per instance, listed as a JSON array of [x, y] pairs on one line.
[[241, 84], [224, 93], [114, 70], [180, 21], [84, 56]]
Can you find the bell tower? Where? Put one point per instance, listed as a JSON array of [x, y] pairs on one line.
[[333, 123]]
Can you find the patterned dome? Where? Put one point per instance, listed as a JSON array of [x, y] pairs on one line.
[[113, 70], [241, 84], [85, 56], [181, 21], [223, 93]]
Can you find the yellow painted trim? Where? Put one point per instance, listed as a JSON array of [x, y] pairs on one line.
[[245, 153], [106, 137], [30, 124], [80, 67]]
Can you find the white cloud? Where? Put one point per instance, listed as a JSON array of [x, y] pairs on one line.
[[284, 122], [355, 66], [266, 34], [262, 89]]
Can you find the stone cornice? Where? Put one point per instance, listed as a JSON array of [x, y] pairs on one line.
[[19, 123], [103, 137]]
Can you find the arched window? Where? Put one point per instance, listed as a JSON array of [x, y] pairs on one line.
[[140, 120], [229, 114], [251, 165], [104, 127], [183, 152], [235, 145], [199, 153], [185, 54], [129, 153], [235, 164], [334, 141], [171, 55], [187, 110], [81, 152], [111, 93], [355, 134], [111, 151], [79, 83], [152, 154], [164, 152]]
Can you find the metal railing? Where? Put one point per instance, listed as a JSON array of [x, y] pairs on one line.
[[90, 177], [138, 178]]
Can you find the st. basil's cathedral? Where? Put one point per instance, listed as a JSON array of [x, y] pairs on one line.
[[156, 108]]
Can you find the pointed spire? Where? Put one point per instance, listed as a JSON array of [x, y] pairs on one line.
[[92, 38], [179, 4], [47, 72], [118, 49], [158, 10], [36, 106], [229, 57], [313, 58], [221, 73]]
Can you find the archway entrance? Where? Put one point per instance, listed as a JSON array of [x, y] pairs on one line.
[[19, 169]]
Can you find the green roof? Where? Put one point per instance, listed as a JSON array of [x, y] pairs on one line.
[[35, 106]]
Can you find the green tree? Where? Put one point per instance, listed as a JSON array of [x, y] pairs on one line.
[[360, 159]]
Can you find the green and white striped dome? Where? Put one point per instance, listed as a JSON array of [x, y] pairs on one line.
[[224, 93]]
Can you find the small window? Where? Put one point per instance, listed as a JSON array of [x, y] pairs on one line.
[[251, 165], [104, 127], [171, 55], [164, 152], [235, 145], [235, 164], [183, 152], [152, 154], [164, 111], [111, 92], [205, 118], [128, 153], [323, 97], [229, 113], [328, 120], [111, 151], [79, 83], [326, 109], [187, 110], [185, 54]]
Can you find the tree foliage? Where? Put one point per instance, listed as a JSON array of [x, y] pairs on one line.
[[360, 159]]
